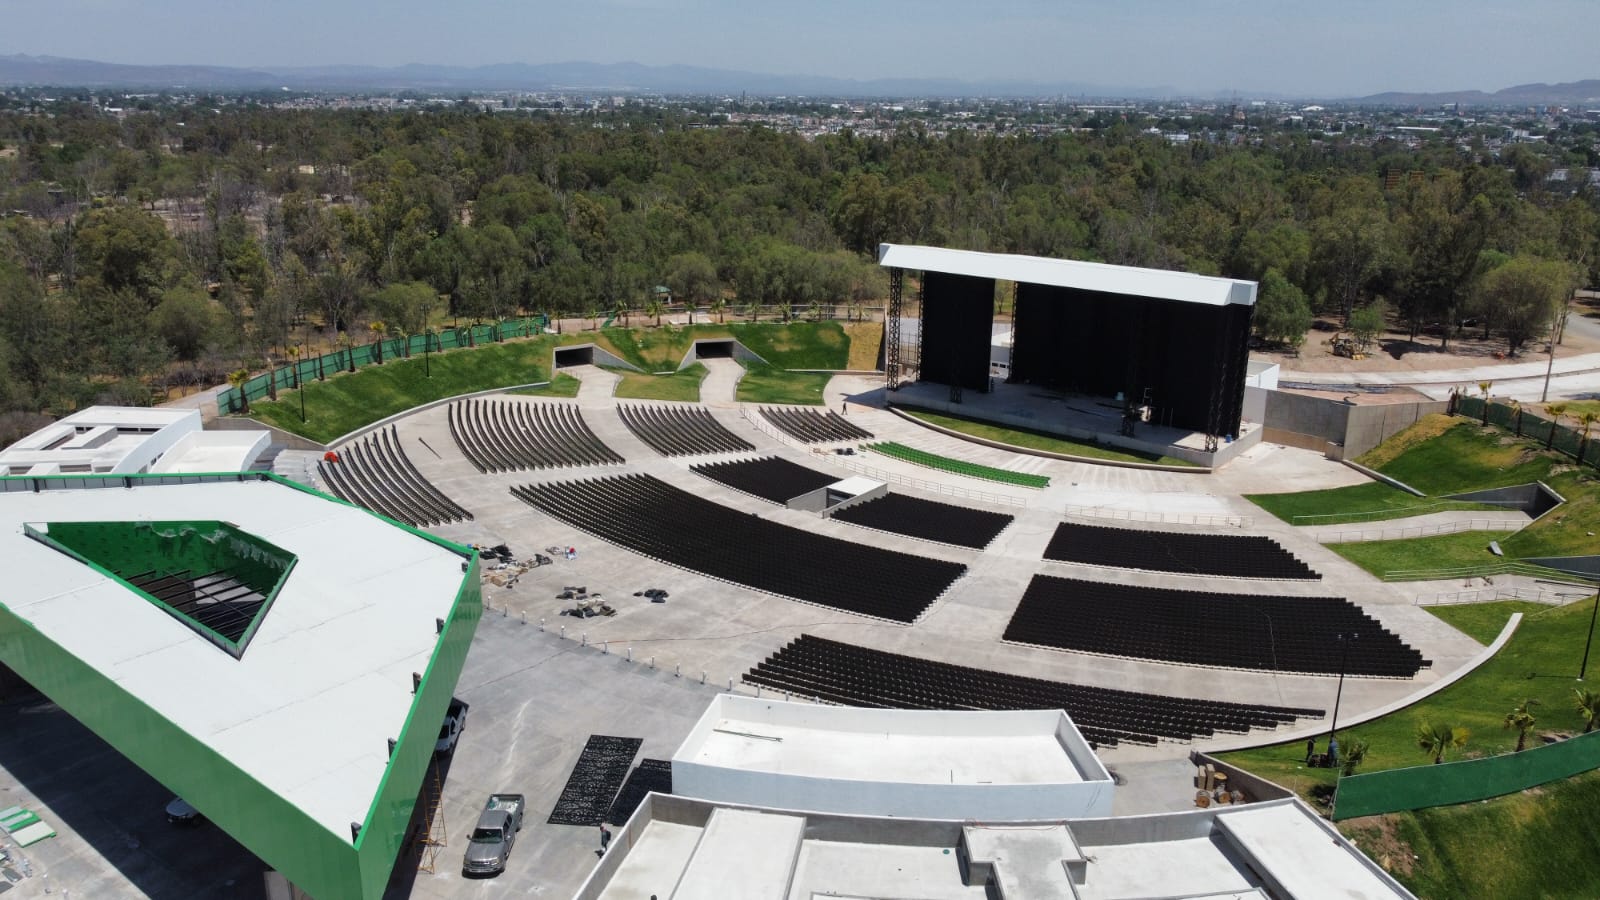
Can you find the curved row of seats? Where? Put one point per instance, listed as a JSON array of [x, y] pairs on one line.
[[1240, 631], [1190, 553], [852, 675], [376, 474], [771, 478], [927, 520], [809, 426], [506, 436], [681, 430], [653, 518]]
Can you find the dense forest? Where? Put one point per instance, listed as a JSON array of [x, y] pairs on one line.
[[177, 244]]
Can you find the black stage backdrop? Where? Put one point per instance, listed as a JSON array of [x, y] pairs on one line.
[[957, 312]]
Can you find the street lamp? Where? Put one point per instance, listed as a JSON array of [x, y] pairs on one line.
[[427, 341], [1345, 640]]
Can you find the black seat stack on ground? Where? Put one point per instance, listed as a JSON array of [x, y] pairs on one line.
[[851, 675], [927, 520], [507, 436], [375, 473], [1190, 553], [655, 519], [771, 478], [1240, 631], [681, 430], [595, 780], [810, 426]]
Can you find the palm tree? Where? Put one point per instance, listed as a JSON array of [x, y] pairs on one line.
[[349, 354], [1516, 409], [1556, 411], [815, 308], [1484, 387], [858, 311], [294, 366], [378, 329], [718, 306], [237, 378], [753, 308], [1352, 755], [1588, 703], [1437, 740], [1521, 718], [654, 307], [272, 380], [594, 313], [1587, 420]]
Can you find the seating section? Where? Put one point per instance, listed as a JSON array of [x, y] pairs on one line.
[[1242, 631], [770, 477], [681, 430], [810, 426], [506, 436], [1190, 553], [928, 520], [376, 474], [651, 517], [851, 675]]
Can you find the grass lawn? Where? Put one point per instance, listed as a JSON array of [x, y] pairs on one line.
[[797, 345], [1441, 551], [1538, 843], [1037, 440], [348, 401], [765, 384], [957, 466], [1370, 502], [1539, 662], [561, 385], [866, 342], [680, 385]]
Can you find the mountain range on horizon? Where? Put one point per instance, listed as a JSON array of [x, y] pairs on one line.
[[52, 71]]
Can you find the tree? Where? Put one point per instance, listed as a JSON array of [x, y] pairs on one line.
[[236, 379], [1588, 703], [1352, 755], [1483, 388], [693, 278], [654, 307], [1522, 720], [378, 330], [124, 248], [719, 304], [1445, 227], [1282, 313], [1556, 411], [1524, 296], [405, 305], [294, 366], [185, 318], [1437, 740], [1587, 420], [1368, 322]]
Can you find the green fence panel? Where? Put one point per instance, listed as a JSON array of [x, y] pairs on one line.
[[1420, 787]]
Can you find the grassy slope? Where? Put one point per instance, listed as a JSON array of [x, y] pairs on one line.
[[1036, 440], [349, 400], [798, 345], [765, 384], [866, 342], [561, 385], [1444, 551], [1539, 662], [1538, 843], [681, 385]]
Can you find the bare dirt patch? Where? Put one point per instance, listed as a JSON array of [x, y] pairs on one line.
[[1378, 837]]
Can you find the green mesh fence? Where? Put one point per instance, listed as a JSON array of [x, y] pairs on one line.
[[1534, 427], [1398, 790], [358, 356]]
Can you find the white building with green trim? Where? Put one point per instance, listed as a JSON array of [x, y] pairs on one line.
[[279, 659]]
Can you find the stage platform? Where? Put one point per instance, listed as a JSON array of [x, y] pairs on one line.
[[1077, 416]]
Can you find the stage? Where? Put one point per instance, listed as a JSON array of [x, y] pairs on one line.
[[1077, 416]]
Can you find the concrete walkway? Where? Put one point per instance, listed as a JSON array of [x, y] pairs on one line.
[[720, 388], [597, 385]]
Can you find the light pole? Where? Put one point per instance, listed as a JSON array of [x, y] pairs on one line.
[[427, 341], [1345, 640], [1583, 669]]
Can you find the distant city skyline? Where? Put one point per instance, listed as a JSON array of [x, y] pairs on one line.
[[1289, 47]]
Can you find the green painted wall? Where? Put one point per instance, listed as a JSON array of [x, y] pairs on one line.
[[383, 835]]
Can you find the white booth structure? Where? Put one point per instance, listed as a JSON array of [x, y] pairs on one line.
[[923, 764], [129, 440]]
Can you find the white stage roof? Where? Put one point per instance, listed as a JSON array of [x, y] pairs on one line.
[[1160, 284], [308, 709]]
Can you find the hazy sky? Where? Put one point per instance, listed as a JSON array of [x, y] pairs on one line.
[[1331, 48]]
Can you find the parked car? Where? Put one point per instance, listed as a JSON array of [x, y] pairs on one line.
[[494, 835], [179, 812], [455, 721]]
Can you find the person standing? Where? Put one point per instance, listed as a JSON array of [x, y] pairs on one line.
[[605, 838], [1311, 749]]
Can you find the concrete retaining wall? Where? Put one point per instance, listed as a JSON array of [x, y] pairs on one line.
[[1299, 420]]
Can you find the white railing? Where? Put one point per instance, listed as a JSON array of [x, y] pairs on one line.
[[1413, 531], [946, 490], [1170, 518], [1401, 512], [1553, 596]]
